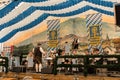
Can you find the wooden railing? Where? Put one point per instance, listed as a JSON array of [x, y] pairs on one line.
[[4, 62], [87, 62]]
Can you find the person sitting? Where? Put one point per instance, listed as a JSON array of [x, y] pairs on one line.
[[1, 61], [68, 70]]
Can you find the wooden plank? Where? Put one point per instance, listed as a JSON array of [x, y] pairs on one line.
[[39, 76]]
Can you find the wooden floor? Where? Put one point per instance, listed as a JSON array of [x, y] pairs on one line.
[[39, 76]]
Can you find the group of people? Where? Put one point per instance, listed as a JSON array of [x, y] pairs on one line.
[[74, 47], [3, 54], [35, 57]]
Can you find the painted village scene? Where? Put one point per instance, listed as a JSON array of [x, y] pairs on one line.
[[76, 28]]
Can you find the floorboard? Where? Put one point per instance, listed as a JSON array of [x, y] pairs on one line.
[[39, 76]]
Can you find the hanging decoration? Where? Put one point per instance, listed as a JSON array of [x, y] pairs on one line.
[[94, 30]]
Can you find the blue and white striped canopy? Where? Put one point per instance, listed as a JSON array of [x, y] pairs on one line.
[[20, 15]]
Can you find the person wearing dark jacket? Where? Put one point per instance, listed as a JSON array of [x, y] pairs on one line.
[[38, 52]]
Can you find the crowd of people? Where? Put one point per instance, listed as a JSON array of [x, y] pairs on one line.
[[32, 60], [36, 57]]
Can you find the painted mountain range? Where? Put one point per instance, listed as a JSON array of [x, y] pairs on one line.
[[73, 27]]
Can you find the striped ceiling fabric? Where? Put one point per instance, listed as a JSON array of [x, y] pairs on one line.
[[21, 15]]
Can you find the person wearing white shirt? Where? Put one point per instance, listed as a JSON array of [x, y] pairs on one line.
[[67, 48], [29, 59]]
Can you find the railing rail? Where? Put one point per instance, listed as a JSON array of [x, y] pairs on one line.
[[86, 62]]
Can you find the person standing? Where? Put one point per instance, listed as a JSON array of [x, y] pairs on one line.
[[75, 45], [29, 59], [38, 52], [67, 48]]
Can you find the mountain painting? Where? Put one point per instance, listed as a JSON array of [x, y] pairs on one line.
[[73, 27]]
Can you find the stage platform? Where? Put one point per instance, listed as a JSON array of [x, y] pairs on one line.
[[39, 76]]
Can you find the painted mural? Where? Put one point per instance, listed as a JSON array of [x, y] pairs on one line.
[[25, 22]]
